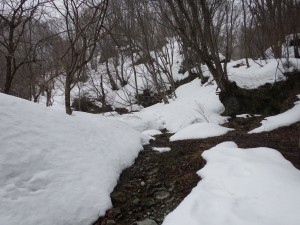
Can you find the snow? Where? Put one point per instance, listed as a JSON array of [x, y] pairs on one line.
[[152, 132], [247, 115], [288, 51], [161, 149], [74, 162], [260, 72], [194, 103], [200, 130], [244, 116], [57, 169], [284, 119], [242, 187]]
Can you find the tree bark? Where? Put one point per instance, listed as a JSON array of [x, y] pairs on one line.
[[9, 77], [68, 96]]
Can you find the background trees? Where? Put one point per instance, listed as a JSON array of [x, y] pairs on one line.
[[18, 19], [106, 42], [83, 24]]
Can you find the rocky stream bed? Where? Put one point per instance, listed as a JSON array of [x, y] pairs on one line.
[[157, 182]]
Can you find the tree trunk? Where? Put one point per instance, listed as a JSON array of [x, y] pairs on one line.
[[296, 51], [135, 74], [113, 84], [68, 95], [9, 77]]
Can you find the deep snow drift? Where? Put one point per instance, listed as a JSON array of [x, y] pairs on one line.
[[57, 169], [242, 187]]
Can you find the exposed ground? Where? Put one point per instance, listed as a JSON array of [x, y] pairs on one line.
[[158, 182]]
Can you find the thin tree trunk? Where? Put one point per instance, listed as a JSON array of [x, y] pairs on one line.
[[9, 77], [113, 84], [68, 95]]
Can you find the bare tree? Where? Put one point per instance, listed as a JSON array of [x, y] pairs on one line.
[[196, 22], [245, 35], [15, 17], [83, 21]]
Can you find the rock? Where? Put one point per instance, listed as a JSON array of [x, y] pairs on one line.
[[150, 203], [146, 222], [110, 222], [158, 189], [231, 106], [161, 195], [121, 110], [143, 183], [118, 197], [158, 184], [116, 212], [153, 171], [170, 200], [159, 219], [172, 187], [136, 201]]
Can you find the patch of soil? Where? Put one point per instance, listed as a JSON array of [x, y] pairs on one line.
[[157, 182]]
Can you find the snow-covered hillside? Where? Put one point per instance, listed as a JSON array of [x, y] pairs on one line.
[[58, 169], [194, 103], [259, 73]]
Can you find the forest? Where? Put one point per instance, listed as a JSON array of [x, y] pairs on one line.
[[149, 112], [72, 42]]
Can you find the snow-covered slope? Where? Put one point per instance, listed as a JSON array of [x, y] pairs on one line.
[[57, 169], [194, 103], [242, 187], [260, 72]]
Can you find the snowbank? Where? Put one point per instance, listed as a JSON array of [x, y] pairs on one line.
[[199, 130], [260, 72], [57, 169], [284, 119], [242, 187], [152, 132], [194, 103]]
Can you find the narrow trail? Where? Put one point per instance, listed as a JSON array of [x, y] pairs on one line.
[[157, 182]]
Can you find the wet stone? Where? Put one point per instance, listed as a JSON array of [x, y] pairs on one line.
[[110, 222], [118, 197], [136, 201], [116, 212], [146, 222], [153, 171], [161, 195], [150, 203]]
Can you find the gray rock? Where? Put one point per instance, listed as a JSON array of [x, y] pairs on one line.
[[110, 222], [136, 201], [146, 222], [153, 170], [172, 187], [150, 203], [161, 195], [118, 197], [116, 212]]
